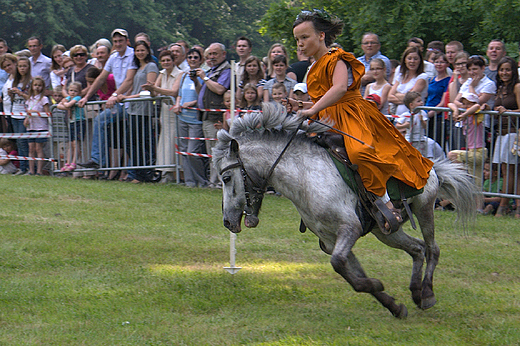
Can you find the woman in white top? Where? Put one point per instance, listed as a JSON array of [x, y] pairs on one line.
[[410, 78]]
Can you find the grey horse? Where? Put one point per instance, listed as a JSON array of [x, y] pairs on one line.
[[307, 176]]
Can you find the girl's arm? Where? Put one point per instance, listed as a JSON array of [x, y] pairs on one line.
[[402, 126], [367, 89], [266, 95], [384, 96], [334, 94]]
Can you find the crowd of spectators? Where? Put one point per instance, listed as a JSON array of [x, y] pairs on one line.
[[198, 79]]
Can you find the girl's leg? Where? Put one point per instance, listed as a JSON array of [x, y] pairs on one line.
[[74, 151], [39, 152], [507, 187], [32, 153]]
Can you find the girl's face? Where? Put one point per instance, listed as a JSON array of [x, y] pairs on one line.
[[58, 57], [194, 60], [73, 91], [250, 95], [227, 101], [57, 96], [9, 66], [412, 61], [141, 52], [505, 72], [68, 65], [167, 62], [38, 87], [307, 39], [252, 68], [89, 80], [461, 65], [280, 68], [23, 67], [377, 70], [276, 51], [279, 94], [440, 64]]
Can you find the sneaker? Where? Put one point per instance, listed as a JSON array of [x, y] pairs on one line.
[[89, 164]]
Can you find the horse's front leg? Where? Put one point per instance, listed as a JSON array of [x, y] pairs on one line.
[[346, 238]]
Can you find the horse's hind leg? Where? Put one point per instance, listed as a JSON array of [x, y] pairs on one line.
[[415, 248], [426, 222], [346, 238], [386, 300]]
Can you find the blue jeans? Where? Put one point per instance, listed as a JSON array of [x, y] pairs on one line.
[[99, 152], [22, 144]]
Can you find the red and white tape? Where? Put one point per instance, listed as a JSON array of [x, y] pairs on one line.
[[25, 158], [26, 135], [32, 114], [217, 110], [192, 154], [199, 139]]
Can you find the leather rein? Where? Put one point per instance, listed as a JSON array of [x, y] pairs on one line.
[[258, 190]]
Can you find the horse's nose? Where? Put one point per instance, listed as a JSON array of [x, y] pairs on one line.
[[227, 224]]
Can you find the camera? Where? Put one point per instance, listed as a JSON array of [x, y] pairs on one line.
[[193, 73]]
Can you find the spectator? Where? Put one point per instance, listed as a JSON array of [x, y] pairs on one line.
[[37, 103], [253, 74], [413, 122], [3, 78], [190, 125], [184, 65], [276, 49], [370, 45], [492, 183], [298, 70], [100, 52], [496, 50], [436, 95], [142, 36], [452, 48], [280, 72], [40, 64], [140, 144], [476, 152], [165, 85], [250, 99], [179, 55], [380, 86], [410, 78], [6, 165], [429, 69], [433, 47], [14, 99], [507, 100], [216, 83], [79, 55], [58, 72], [478, 83], [459, 77], [121, 65], [243, 48]]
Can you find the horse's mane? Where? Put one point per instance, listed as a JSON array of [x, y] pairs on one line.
[[273, 120]]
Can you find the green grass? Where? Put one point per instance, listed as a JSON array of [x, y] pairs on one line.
[[108, 263]]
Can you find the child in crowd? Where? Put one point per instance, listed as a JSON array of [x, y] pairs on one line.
[[36, 103], [253, 74], [492, 183], [226, 119], [250, 99], [77, 124], [279, 93], [280, 71], [476, 151], [7, 165], [413, 124], [380, 87]]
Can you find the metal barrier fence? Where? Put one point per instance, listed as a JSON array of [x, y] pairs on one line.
[[143, 138]]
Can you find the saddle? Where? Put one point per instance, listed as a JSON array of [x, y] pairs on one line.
[[372, 209]]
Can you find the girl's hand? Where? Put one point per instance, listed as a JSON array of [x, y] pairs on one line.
[[475, 81], [26, 122], [177, 109], [306, 113]]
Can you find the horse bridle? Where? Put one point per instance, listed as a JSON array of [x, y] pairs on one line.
[[258, 190]]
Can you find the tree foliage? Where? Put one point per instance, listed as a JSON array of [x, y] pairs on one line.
[[83, 22], [472, 22]]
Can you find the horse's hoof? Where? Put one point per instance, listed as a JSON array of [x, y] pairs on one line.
[[402, 312], [427, 303], [416, 297]]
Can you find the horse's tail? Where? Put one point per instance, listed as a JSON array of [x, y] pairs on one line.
[[457, 185]]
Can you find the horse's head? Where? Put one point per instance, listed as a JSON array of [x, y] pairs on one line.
[[239, 195]]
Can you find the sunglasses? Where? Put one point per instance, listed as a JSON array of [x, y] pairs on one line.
[[79, 54]]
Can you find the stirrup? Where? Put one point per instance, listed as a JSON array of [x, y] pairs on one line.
[[384, 215]]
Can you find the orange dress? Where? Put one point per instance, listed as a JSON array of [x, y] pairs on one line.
[[392, 155]]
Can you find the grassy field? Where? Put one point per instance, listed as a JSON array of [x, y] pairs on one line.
[[109, 263]]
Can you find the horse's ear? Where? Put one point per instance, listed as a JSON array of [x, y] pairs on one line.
[[233, 147]]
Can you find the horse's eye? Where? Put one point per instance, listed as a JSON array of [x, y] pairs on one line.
[[226, 179]]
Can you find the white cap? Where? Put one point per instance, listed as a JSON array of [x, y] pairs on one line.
[[301, 87], [471, 97]]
